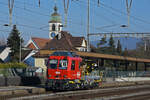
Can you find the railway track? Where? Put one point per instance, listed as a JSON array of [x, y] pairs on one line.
[[119, 93]]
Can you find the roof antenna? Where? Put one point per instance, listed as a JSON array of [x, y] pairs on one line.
[[128, 6], [66, 6], [10, 6]]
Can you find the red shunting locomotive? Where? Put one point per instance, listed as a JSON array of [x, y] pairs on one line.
[[63, 71]]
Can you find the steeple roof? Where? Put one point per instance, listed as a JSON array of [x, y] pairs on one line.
[[55, 17]]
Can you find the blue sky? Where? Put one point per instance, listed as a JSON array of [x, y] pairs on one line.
[[32, 21]]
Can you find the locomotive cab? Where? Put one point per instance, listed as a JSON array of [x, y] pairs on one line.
[[63, 67]]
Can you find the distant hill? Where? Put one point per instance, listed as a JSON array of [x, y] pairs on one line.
[[129, 43]]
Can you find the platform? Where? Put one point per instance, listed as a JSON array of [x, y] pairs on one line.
[[15, 90]]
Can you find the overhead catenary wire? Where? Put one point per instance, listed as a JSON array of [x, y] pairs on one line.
[[40, 13], [23, 19], [121, 12], [28, 10], [27, 26], [48, 15], [116, 12], [128, 20], [31, 11], [37, 13], [101, 16], [30, 4]]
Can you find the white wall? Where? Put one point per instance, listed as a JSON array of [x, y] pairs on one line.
[[5, 53]]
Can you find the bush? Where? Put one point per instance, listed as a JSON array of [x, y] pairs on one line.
[[12, 65]]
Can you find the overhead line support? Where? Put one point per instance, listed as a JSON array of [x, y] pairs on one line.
[[88, 26]]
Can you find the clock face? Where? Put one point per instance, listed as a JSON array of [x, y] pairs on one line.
[[53, 34]]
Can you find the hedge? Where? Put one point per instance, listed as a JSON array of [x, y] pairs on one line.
[[13, 65]]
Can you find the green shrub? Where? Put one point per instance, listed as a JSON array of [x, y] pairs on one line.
[[13, 65]]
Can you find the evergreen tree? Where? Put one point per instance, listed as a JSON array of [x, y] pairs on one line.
[[119, 48], [112, 45], [126, 52], [102, 42], [13, 41]]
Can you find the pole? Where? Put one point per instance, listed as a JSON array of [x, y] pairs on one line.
[[145, 46], [88, 27], [10, 7], [20, 51]]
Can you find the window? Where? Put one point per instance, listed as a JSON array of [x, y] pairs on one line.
[[53, 27], [79, 65], [59, 27], [63, 64], [73, 65], [53, 64]]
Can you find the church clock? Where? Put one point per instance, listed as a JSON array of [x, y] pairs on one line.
[[55, 24], [53, 34]]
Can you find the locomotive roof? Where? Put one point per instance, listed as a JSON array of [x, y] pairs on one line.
[[64, 53]]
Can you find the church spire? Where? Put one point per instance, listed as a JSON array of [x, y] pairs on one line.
[[55, 9], [55, 24]]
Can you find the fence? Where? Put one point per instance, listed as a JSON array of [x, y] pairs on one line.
[[126, 75], [21, 76]]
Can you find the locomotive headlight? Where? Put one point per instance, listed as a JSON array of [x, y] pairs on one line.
[[49, 75], [65, 76]]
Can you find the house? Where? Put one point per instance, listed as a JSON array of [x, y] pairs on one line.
[[66, 42], [27, 57], [4, 53], [36, 43]]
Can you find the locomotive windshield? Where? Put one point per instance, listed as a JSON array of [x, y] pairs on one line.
[[63, 64], [53, 64]]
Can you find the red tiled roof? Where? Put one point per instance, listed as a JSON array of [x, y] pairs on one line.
[[40, 42], [67, 42], [64, 43], [31, 46]]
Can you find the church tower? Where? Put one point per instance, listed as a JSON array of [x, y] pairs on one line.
[[55, 25]]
